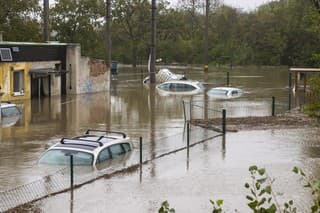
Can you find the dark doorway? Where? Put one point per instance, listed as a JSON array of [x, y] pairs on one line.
[[40, 87]]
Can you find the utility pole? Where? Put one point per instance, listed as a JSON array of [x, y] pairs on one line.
[[108, 34], [46, 20], [206, 38], [153, 43]]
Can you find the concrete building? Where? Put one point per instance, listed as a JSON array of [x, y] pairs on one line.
[[30, 70]]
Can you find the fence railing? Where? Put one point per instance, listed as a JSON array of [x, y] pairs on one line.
[[62, 180]]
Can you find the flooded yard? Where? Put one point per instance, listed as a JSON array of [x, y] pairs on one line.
[[215, 169]]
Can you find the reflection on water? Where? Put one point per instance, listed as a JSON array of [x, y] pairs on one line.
[[128, 107]]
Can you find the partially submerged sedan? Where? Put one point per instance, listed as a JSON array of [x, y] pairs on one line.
[[180, 87], [224, 92], [88, 149]]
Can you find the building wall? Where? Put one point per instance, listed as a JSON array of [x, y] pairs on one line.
[[94, 76], [7, 82], [85, 75], [55, 80]]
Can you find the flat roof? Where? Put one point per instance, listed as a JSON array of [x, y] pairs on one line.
[[304, 69], [49, 43]]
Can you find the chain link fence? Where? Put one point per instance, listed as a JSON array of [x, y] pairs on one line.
[[59, 181]]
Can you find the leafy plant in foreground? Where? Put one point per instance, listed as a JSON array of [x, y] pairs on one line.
[[216, 206], [314, 185], [261, 198], [165, 208]]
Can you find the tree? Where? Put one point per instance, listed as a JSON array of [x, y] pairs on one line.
[[80, 21], [316, 3], [131, 19], [19, 20]]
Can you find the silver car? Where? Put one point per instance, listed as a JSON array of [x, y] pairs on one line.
[[88, 149]]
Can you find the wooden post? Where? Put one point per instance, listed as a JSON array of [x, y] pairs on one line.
[[46, 20], [108, 34], [153, 43], [206, 37]]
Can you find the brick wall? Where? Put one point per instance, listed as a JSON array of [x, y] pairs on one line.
[[97, 67]]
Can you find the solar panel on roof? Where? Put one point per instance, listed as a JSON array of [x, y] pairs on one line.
[[5, 54]]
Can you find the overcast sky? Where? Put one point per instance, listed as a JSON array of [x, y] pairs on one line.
[[243, 4]]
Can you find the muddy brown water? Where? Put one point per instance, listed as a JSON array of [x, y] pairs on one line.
[[214, 170]]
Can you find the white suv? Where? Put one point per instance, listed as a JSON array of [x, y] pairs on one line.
[[88, 149]]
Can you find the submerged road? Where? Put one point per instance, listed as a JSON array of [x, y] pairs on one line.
[[216, 169]]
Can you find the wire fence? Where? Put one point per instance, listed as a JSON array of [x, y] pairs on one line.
[[34, 190], [257, 107], [59, 181]]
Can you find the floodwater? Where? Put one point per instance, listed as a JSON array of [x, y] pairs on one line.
[[215, 169]]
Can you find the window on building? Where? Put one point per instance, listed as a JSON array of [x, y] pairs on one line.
[[18, 81]]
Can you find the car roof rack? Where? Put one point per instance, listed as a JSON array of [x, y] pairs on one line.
[[105, 131], [62, 141]]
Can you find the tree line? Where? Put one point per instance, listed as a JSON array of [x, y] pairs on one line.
[[284, 32]]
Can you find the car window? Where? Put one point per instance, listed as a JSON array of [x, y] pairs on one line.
[[9, 111], [126, 147], [181, 87], [104, 155], [116, 150], [234, 92], [165, 87], [219, 91], [62, 157]]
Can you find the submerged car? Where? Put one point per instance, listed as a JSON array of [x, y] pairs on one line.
[[165, 75], [180, 87], [225, 92], [10, 114], [88, 149]]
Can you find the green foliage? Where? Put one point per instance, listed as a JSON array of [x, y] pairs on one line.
[[277, 33], [18, 20], [79, 21], [260, 199], [312, 184], [216, 206], [313, 108], [165, 208]]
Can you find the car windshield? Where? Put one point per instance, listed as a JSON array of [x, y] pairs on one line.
[[201, 86], [62, 157], [218, 91], [177, 87], [9, 111]]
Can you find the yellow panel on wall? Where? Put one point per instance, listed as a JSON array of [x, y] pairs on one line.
[[7, 81]]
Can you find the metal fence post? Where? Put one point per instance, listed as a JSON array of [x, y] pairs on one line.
[[184, 111], [290, 85], [228, 80], [71, 172], [188, 134], [190, 108], [224, 121], [273, 105], [140, 143]]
